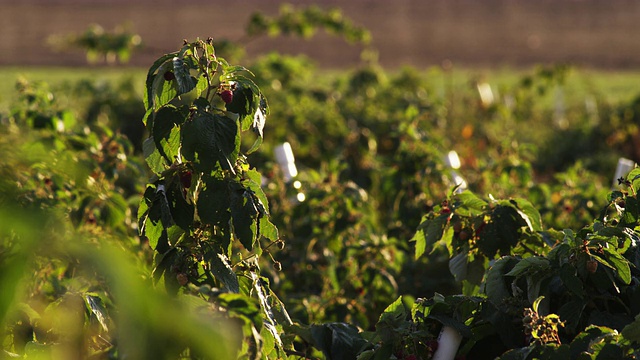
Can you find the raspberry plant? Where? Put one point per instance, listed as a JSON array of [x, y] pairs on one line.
[[203, 210]]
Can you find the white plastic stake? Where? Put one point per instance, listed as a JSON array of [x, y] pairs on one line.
[[448, 343], [623, 168], [453, 161], [284, 157]]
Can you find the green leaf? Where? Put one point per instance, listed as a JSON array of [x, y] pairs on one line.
[[429, 232], [222, 271], [268, 230], [151, 75], [502, 232], [201, 86], [631, 332], [182, 212], [246, 101], [528, 213], [163, 91], [338, 341], [183, 79], [458, 266], [395, 312], [149, 217], [213, 202], [634, 178], [496, 286], [468, 204], [98, 310], [631, 212], [243, 305], [530, 265], [619, 263], [209, 139], [571, 312], [570, 279], [156, 162], [244, 215], [165, 133]]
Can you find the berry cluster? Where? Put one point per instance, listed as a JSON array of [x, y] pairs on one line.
[[541, 330]]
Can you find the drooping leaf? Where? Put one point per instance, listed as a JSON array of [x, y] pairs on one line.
[[528, 213], [210, 139], [261, 289], [151, 75], [619, 263], [338, 341], [631, 212], [182, 212], [155, 160], [162, 90], [496, 286], [429, 232], [458, 266], [528, 265], [222, 270], [631, 332], [183, 79], [165, 133], [502, 232], [98, 310], [213, 202], [570, 279], [468, 204], [246, 100], [571, 312], [244, 214]]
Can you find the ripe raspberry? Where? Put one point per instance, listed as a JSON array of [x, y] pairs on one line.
[[185, 179], [169, 75], [433, 345], [227, 96], [182, 279]]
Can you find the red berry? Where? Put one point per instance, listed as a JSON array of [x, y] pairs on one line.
[[227, 96], [185, 179], [592, 266], [182, 279], [169, 75], [433, 345], [411, 357]]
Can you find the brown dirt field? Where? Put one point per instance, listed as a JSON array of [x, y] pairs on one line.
[[487, 33]]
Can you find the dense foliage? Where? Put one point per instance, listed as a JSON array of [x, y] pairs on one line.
[[158, 225]]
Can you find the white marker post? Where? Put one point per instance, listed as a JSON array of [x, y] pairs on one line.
[[623, 168], [453, 161], [287, 162], [448, 343]]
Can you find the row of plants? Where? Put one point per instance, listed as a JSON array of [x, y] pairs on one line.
[[384, 255]]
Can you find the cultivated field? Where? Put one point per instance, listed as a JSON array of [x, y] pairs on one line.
[[484, 33]]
